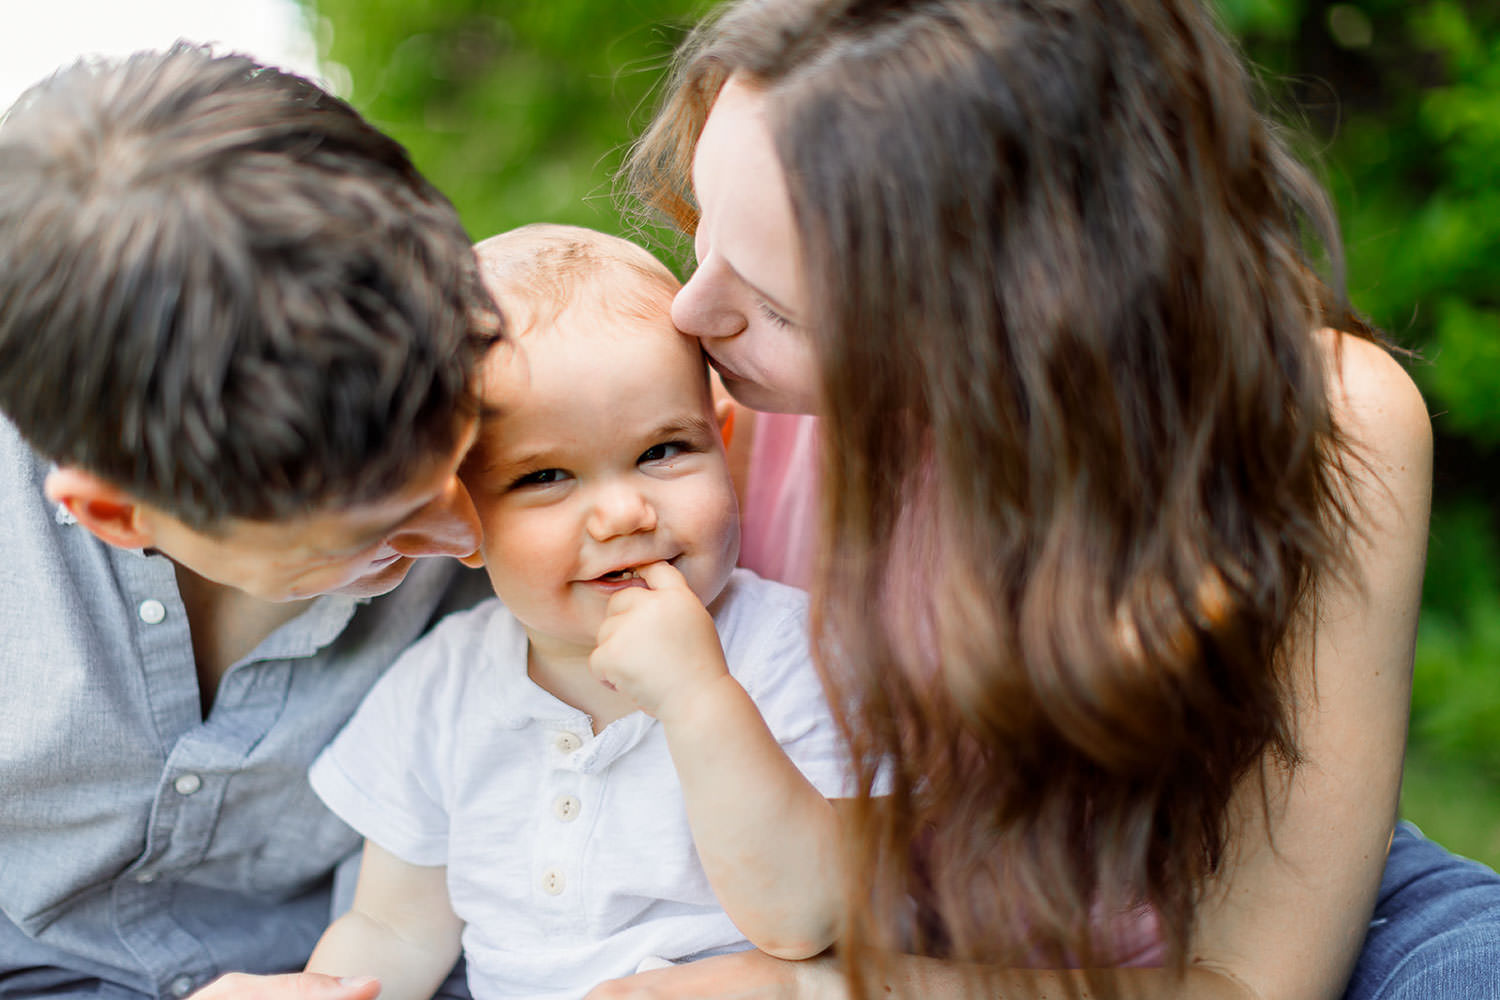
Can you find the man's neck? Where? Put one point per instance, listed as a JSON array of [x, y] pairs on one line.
[[226, 624]]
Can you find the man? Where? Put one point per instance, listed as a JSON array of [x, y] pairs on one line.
[[238, 333]]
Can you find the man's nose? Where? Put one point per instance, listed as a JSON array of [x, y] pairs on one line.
[[704, 306], [447, 526], [619, 510]]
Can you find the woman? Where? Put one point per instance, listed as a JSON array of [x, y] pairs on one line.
[[1124, 516]]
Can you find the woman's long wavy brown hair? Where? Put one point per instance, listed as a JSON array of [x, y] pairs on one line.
[[1081, 477]]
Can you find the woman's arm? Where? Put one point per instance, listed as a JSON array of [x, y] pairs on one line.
[[401, 929], [1288, 914], [753, 975]]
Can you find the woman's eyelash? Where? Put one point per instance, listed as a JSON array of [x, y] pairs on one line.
[[774, 316]]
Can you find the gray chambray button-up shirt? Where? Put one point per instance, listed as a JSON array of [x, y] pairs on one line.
[[142, 848]]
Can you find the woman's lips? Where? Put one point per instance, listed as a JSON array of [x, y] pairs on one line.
[[724, 370]]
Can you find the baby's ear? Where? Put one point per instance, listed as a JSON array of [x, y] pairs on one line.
[[724, 409], [100, 506]]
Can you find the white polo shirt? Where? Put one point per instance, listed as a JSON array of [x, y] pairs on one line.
[[569, 855]]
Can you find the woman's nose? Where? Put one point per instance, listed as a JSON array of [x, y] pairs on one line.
[[705, 306]]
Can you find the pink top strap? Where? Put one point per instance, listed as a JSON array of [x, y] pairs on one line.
[[779, 512]]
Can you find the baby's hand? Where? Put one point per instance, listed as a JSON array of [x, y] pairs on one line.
[[657, 644]]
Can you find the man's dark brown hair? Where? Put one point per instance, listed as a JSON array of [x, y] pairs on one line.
[[225, 292]]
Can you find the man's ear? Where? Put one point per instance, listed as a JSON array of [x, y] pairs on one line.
[[100, 506]]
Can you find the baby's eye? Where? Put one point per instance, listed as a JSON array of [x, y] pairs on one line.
[[541, 477], [664, 452]]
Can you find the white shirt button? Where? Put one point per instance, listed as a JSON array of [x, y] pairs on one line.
[[553, 882], [187, 784], [181, 986], [567, 743], [566, 807], [152, 611], [145, 877]]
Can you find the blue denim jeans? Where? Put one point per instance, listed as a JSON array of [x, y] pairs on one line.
[[1436, 930]]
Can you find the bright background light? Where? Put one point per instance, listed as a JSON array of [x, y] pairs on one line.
[[38, 37]]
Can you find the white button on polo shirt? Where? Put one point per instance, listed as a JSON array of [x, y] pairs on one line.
[[567, 742], [566, 807], [187, 784], [553, 882], [152, 611]]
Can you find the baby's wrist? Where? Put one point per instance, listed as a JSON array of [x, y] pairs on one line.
[[701, 703]]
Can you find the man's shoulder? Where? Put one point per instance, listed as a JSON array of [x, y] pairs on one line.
[[22, 470]]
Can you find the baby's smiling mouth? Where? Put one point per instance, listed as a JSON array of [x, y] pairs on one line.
[[628, 573]]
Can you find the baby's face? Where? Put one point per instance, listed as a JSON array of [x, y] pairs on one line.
[[604, 456]]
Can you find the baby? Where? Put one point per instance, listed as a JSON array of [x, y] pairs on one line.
[[624, 759]]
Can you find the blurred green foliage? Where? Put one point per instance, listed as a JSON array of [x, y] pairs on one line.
[[1404, 99], [520, 112]]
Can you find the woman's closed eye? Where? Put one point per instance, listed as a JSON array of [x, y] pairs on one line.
[[771, 313]]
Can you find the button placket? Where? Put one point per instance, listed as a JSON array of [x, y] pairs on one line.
[[561, 803]]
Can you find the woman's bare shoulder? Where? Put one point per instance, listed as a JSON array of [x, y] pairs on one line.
[[1378, 408]]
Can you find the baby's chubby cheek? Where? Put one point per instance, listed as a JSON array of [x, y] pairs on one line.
[[721, 550]]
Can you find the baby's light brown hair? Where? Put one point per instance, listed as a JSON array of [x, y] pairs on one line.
[[540, 271]]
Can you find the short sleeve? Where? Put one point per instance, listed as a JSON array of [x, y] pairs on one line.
[[384, 773], [765, 632]]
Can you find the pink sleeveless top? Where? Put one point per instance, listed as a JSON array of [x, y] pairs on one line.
[[779, 512]]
